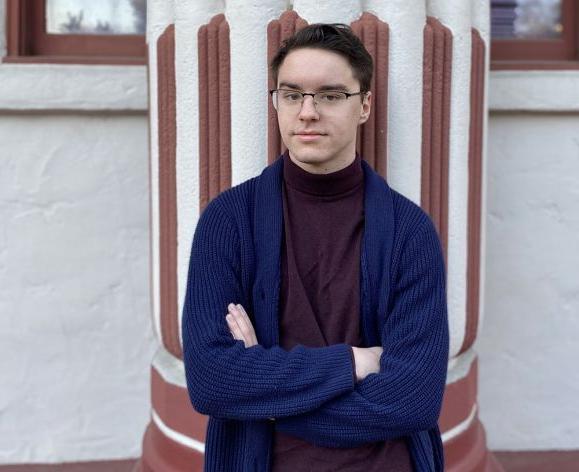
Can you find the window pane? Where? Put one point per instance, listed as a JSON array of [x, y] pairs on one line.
[[100, 17], [526, 19]]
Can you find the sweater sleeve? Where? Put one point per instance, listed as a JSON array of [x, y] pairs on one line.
[[406, 395], [226, 380]]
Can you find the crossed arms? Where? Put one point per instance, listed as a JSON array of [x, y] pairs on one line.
[[310, 391], [366, 360]]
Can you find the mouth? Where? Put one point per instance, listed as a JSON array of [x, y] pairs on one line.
[[309, 135]]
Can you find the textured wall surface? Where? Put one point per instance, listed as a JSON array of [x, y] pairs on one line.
[[75, 327], [528, 345]]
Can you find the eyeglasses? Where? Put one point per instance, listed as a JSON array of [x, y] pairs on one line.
[[293, 99]]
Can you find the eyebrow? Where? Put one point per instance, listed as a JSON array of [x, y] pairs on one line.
[[323, 87]]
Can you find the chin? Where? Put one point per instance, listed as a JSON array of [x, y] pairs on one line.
[[308, 156]]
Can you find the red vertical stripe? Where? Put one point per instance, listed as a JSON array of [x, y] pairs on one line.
[[167, 191], [371, 142], [437, 71], [474, 189], [214, 109], [203, 117], [224, 93], [427, 124]]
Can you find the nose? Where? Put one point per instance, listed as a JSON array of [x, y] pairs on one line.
[[308, 110]]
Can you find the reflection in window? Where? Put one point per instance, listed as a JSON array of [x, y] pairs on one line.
[[100, 17], [539, 19]]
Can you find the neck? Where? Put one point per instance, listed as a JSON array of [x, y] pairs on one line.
[[325, 167], [327, 185]]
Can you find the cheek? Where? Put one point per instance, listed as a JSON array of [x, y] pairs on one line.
[[284, 124], [348, 128]]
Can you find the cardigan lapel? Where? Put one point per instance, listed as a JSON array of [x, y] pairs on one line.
[[375, 255], [268, 232]]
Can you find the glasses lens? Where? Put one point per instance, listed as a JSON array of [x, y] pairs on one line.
[[330, 98]]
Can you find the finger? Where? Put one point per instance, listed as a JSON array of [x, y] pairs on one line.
[[243, 322], [238, 330], [234, 328], [248, 323]]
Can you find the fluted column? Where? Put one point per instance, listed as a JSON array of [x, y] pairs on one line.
[[212, 127]]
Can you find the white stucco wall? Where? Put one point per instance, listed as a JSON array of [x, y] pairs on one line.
[[75, 334], [528, 345], [76, 337]]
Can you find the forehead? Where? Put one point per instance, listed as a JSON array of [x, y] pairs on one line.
[[312, 68]]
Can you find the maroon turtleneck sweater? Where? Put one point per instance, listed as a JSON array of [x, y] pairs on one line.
[[320, 300]]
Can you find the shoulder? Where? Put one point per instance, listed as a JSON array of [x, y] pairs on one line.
[[239, 201], [233, 201], [410, 222], [409, 217], [403, 217]]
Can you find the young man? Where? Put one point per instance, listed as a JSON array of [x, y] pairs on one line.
[[315, 329]]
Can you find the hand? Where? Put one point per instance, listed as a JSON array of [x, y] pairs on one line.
[[240, 325], [367, 360]]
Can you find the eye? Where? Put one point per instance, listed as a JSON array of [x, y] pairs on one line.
[[291, 95], [331, 96]]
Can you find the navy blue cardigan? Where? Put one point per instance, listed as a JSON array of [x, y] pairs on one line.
[[310, 391]]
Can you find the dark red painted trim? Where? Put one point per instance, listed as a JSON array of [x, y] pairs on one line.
[[437, 64], [214, 109], [28, 42], [459, 399], [372, 135], [534, 65], [168, 191], [160, 454], [173, 406], [468, 452], [126, 465], [511, 461], [474, 189], [548, 50], [539, 461]]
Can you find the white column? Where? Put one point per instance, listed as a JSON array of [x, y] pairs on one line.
[[159, 16], [190, 15], [248, 35], [406, 23], [456, 15], [336, 11], [481, 21]]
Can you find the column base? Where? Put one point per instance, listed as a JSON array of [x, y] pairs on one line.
[[161, 454], [467, 452]]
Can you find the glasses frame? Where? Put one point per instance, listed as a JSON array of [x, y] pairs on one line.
[[311, 94]]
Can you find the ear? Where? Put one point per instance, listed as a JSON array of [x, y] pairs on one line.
[[365, 108]]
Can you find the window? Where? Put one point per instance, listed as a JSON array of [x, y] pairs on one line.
[[76, 31], [534, 34]]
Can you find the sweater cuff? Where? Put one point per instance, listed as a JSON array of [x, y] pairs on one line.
[[353, 364]]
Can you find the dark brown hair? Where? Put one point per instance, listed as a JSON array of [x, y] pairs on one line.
[[336, 37]]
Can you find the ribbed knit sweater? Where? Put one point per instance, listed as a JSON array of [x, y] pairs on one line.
[[309, 392], [320, 300]]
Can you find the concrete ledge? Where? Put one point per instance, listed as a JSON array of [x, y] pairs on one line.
[[538, 461], [538, 90], [72, 87], [127, 465]]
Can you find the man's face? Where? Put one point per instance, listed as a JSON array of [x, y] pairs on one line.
[[320, 139]]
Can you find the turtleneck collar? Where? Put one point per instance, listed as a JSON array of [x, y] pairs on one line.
[[334, 183]]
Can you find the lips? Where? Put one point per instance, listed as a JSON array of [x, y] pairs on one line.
[[309, 133], [308, 136]]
